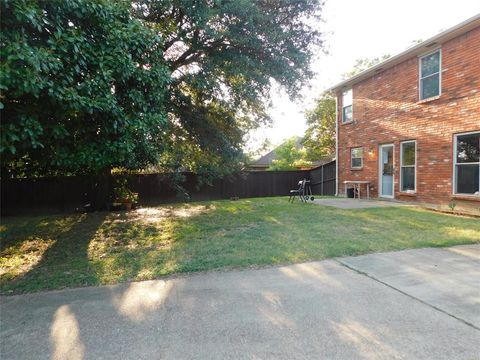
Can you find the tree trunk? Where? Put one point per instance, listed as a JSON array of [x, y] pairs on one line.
[[101, 194]]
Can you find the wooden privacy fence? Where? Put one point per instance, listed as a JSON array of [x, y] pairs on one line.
[[64, 194], [323, 178]]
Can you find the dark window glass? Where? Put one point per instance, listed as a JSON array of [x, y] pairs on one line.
[[357, 157], [356, 162], [468, 179], [408, 178], [347, 113], [357, 152], [408, 154], [431, 64], [468, 148], [430, 86]]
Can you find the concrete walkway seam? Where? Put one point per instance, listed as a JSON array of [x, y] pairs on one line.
[[406, 294]]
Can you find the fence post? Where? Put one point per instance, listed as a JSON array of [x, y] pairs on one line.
[[321, 191]]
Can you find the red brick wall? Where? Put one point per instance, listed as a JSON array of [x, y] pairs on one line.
[[386, 110]]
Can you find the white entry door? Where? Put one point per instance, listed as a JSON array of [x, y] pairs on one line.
[[386, 171]]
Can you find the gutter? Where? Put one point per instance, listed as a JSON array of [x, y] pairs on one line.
[[420, 48]]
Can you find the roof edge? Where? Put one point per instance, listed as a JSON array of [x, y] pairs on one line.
[[422, 47]]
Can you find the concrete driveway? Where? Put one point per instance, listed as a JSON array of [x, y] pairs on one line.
[[416, 304]]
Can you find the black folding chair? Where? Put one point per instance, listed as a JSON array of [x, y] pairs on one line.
[[300, 191]]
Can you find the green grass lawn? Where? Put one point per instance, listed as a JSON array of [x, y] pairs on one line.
[[52, 252]]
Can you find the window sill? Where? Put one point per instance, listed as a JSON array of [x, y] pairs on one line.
[[403, 193], [466, 197], [347, 123], [356, 169], [424, 101]]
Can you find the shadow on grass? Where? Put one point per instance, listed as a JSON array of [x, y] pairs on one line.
[[248, 233], [107, 248], [48, 252]]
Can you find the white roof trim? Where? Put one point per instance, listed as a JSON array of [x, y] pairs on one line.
[[416, 50]]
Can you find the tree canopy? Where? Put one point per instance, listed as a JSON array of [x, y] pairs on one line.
[[364, 64], [289, 155], [224, 56], [319, 140], [88, 85], [83, 88]]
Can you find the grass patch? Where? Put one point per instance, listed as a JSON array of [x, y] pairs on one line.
[[52, 252]]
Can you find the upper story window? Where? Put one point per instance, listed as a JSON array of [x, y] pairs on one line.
[[467, 164], [347, 106], [430, 75]]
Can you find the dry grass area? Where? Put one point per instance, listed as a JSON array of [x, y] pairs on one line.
[[51, 252]]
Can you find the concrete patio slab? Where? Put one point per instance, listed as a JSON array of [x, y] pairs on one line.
[[318, 310], [348, 203], [446, 278]]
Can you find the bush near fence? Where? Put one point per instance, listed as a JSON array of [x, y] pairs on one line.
[[65, 194]]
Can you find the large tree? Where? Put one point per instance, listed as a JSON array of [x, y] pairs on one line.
[[83, 88], [88, 85], [224, 56], [289, 155], [319, 140]]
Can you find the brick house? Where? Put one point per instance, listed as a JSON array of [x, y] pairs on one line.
[[411, 124]]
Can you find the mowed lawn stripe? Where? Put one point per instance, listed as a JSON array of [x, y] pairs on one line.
[[58, 251]]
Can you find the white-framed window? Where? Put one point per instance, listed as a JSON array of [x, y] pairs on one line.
[[408, 164], [466, 159], [347, 106], [430, 83], [356, 155]]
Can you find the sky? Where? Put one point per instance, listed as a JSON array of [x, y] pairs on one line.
[[356, 29]]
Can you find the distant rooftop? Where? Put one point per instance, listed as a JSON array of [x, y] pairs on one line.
[[266, 160]]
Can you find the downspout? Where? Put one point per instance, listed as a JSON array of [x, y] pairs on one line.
[[336, 144]]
